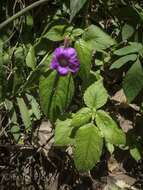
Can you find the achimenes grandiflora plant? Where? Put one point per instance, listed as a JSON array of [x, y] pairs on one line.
[[89, 128]]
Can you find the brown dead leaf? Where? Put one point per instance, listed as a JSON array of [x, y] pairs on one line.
[[114, 166], [43, 137], [125, 124], [120, 98]]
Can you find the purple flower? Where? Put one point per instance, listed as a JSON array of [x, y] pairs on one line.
[[65, 60]]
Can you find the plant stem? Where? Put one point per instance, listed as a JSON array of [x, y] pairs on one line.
[[22, 12]]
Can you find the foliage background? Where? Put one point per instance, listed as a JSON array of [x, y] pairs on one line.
[[108, 38]]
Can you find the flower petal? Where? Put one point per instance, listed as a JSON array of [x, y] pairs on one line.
[[59, 52], [70, 52], [63, 70], [54, 63]]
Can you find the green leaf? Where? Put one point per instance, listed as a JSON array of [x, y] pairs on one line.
[[127, 31], [56, 33], [110, 147], [2, 79], [135, 153], [24, 113], [133, 81], [88, 147], [77, 32], [56, 93], [134, 47], [82, 117], [15, 131], [35, 108], [62, 133], [75, 6], [96, 95], [109, 128], [85, 54], [123, 60], [30, 58], [97, 38]]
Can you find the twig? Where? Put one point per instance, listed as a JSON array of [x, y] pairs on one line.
[[22, 12], [17, 146]]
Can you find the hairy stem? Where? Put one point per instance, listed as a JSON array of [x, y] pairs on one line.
[[22, 12]]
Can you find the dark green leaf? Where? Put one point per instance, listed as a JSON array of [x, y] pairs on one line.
[[123, 60], [56, 93], [134, 47], [75, 6], [97, 38], [127, 31], [133, 81]]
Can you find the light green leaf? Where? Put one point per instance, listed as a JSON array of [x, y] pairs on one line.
[[96, 95], [135, 153], [123, 60], [56, 93], [75, 6], [62, 133], [134, 47], [85, 54], [56, 33], [31, 59], [77, 32], [35, 108], [88, 147], [109, 128], [97, 38], [82, 117], [15, 131], [110, 147], [24, 113], [133, 81], [127, 31]]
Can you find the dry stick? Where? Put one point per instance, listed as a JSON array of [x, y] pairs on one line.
[[22, 12]]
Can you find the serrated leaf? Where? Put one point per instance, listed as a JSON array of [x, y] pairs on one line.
[[88, 147], [85, 54], [82, 117], [56, 93], [30, 58], [62, 133], [109, 128], [24, 113], [123, 60], [127, 31], [56, 33], [134, 47], [133, 81], [75, 6], [97, 38], [96, 95]]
